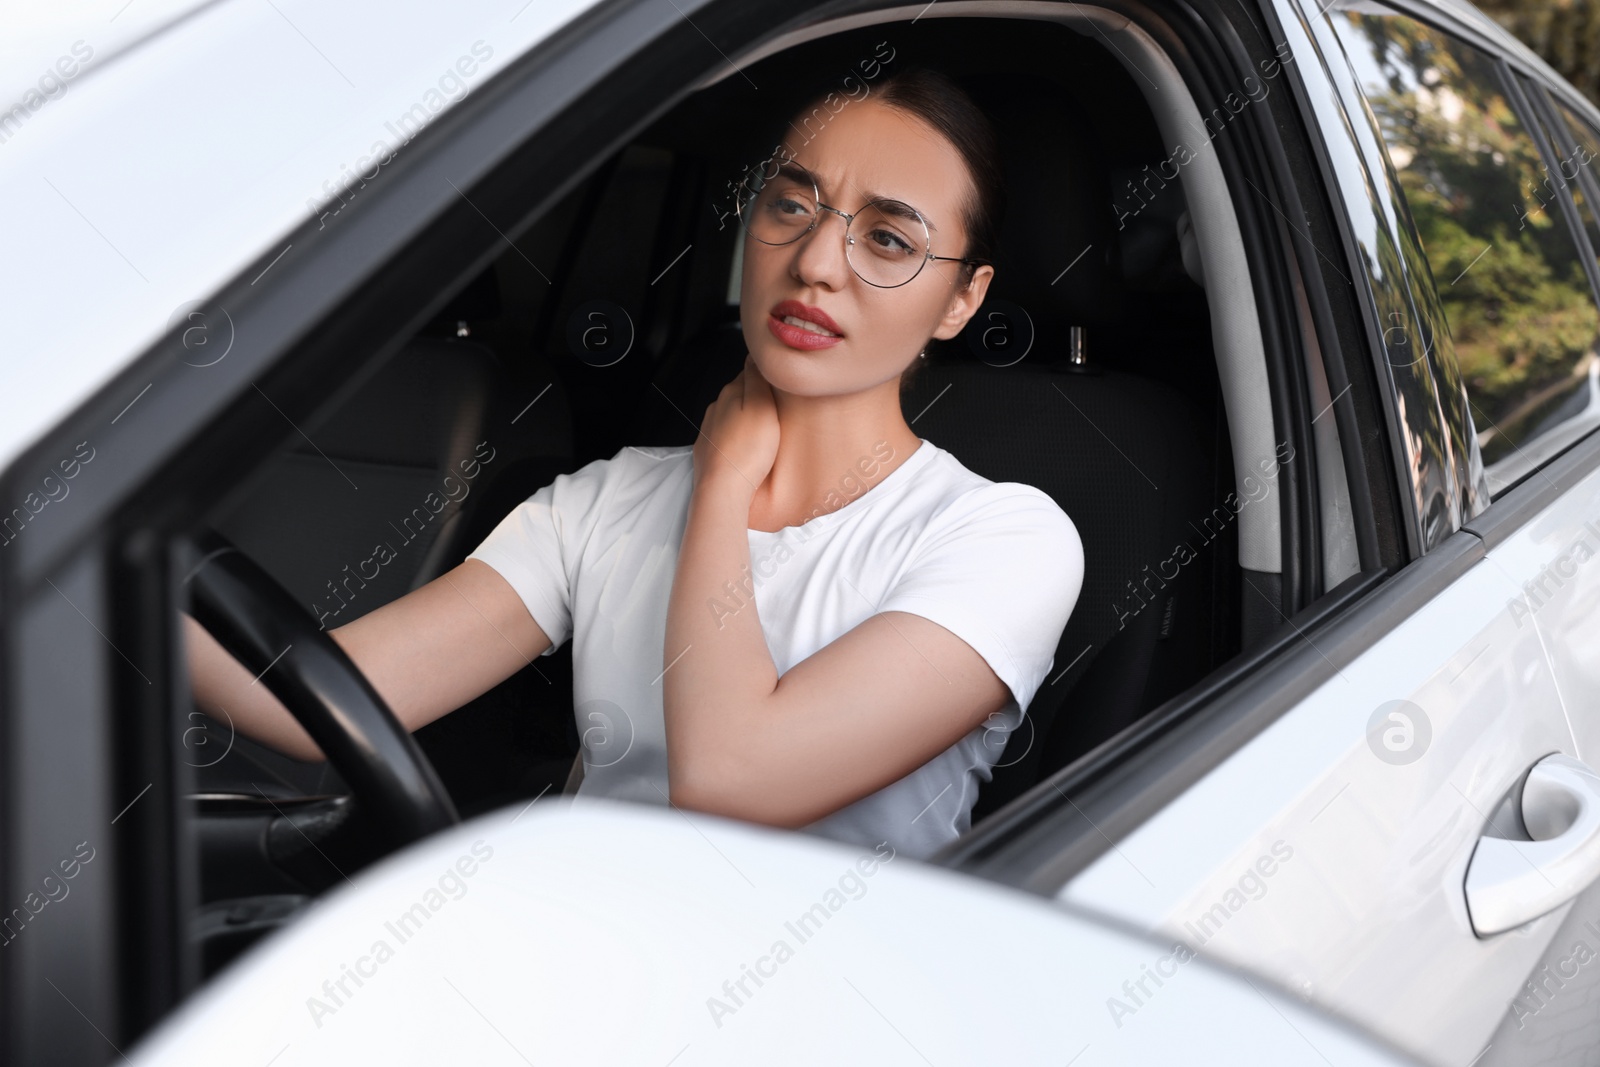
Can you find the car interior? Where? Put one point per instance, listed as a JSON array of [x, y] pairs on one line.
[[1118, 365]]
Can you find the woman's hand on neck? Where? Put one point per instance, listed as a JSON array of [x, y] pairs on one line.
[[738, 438], [789, 458]]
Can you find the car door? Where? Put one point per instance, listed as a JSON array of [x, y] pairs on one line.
[[1553, 1017], [1334, 849]]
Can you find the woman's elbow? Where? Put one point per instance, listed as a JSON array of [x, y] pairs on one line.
[[692, 789], [735, 796]]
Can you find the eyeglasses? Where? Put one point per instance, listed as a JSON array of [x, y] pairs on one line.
[[894, 242]]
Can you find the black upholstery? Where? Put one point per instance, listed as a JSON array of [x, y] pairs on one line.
[[373, 472], [375, 475], [1125, 459], [688, 380]]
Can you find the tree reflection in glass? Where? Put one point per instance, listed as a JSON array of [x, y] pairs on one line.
[[1514, 290]]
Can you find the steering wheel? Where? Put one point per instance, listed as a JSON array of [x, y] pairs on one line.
[[259, 623]]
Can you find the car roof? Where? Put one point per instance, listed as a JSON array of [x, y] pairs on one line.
[[38, 35], [192, 139]]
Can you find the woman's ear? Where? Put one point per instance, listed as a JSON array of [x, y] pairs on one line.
[[964, 303]]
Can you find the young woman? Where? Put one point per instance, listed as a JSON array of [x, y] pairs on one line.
[[812, 618]]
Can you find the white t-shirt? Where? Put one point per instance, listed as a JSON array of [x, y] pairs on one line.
[[998, 564]]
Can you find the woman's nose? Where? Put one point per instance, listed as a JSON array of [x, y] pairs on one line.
[[821, 257]]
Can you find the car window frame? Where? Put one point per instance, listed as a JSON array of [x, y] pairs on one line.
[[1431, 487], [1104, 795], [1072, 816], [1110, 791]]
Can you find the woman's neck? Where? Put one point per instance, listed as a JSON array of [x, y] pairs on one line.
[[830, 451]]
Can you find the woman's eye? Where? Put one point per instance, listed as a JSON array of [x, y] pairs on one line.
[[791, 207], [889, 241]]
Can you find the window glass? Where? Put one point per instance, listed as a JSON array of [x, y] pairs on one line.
[[1576, 151], [1511, 283], [1409, 322]]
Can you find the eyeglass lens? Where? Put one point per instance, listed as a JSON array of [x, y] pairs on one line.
[[890, 239]]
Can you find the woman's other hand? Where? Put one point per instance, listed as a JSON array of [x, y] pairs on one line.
[[739, 436]]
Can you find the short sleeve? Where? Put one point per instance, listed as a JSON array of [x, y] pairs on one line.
[[1001, 569], [536, 547]]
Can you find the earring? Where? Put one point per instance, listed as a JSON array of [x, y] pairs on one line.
[[923, 354]]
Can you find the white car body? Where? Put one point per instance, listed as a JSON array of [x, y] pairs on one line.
[[138, 186], [149, 241], [613, 933]]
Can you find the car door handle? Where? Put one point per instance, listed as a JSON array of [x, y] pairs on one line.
[[1513, 882]]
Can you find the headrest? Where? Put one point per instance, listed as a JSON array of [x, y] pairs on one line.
[[1059, 256]]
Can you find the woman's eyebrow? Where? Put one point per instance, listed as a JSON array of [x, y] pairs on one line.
[[794, 170]]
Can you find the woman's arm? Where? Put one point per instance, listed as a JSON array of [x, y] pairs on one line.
[[426, 653], [858, 714]]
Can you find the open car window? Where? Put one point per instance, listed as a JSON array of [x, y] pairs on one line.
[[605, 322]]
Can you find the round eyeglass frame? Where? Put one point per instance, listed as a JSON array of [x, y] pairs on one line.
[[849, 238]]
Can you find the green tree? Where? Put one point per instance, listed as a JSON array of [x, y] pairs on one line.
[[1564, 33]]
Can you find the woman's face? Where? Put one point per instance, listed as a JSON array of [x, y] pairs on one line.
[[868, 150]]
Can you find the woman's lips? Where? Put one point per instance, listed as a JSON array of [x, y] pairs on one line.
[[799, 337]]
